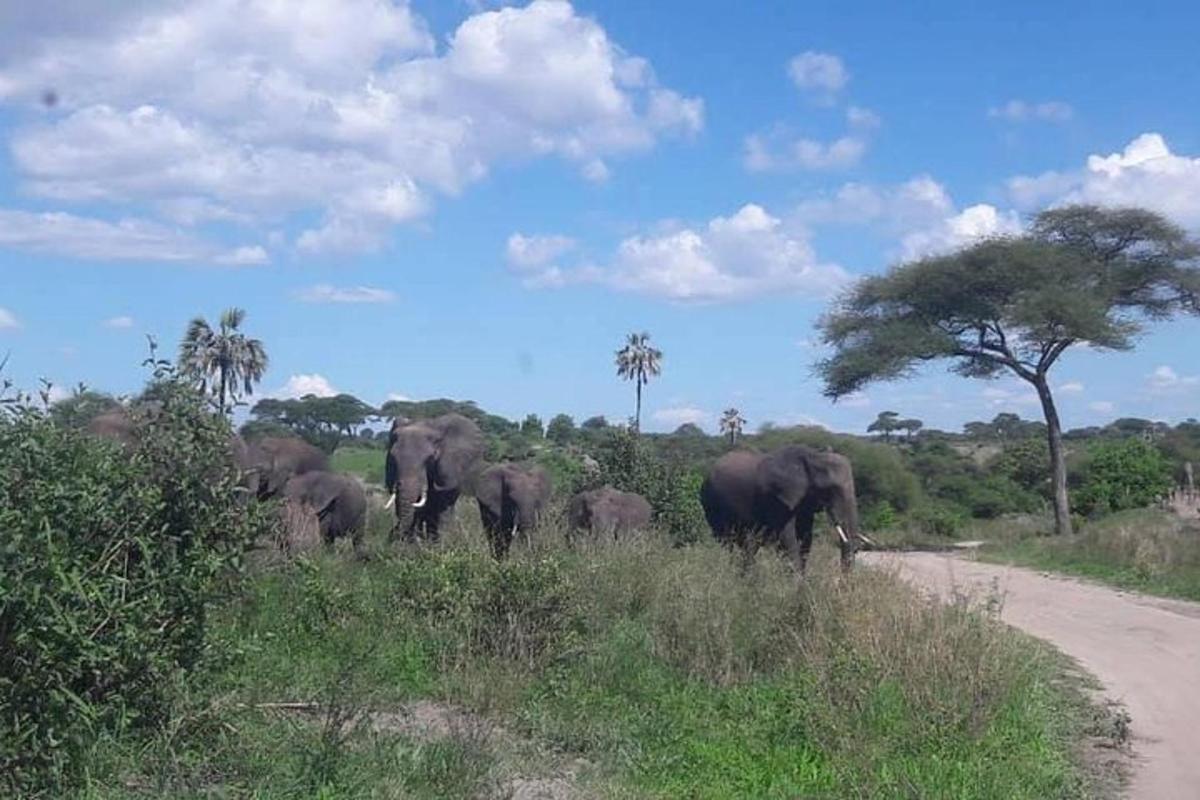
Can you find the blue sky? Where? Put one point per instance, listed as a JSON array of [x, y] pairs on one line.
[[478, 200]]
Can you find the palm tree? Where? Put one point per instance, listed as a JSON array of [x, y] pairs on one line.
[[223, 359], [732, 424], [637, 361]]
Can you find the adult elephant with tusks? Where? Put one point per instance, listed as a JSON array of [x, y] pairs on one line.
[[750, 498], [427, 463], [511, 498]]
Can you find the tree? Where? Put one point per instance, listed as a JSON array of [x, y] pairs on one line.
[[690, 429], [532, 426], [225, 360], [909, 426], [732, 424], [322, 421], [885, 423], [638, 361], [561, 429], [596, 423], [1079, 275]]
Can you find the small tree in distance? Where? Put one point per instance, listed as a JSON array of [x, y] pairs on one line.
[[732, 424], [638, 361], [885, 423], [1080, 275]]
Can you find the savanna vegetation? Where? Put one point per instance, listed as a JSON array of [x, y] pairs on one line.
[[155, 643]]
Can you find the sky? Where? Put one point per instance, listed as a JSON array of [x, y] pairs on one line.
[[479, 200]]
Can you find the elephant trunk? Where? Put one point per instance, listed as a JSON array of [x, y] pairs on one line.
[[844, 513]]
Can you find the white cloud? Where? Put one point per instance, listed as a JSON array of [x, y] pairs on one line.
[[1022, 111], [823, 74], [91, 239], [969, 225], [119, 323], [1102, 406], [326, 293], [533, 257], [302, 385], [1146, 174], [855, 400], [918, 202], [1071, 387], [1165, 379], [57, 394], [681, 415], [778, 150], [747, 254], [537, 250], [1015, 395], [8, 320], [261, 112]]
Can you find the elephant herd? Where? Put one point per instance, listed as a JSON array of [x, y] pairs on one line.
[[749, 498]]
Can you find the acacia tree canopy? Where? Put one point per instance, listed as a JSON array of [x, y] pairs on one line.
[[1081, 274]]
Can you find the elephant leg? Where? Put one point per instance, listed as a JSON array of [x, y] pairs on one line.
[[803, 525], [749, 539]]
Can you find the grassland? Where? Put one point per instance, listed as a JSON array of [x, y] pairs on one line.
[[1146, 550], [634, 669], [365, 462]]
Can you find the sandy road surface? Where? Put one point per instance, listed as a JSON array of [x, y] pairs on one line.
[[1145, 651]]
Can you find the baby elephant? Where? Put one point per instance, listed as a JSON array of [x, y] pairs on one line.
[[608, 511], [510, 498], [337, 503]]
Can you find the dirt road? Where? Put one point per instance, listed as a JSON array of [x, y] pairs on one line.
[[1145, 651]]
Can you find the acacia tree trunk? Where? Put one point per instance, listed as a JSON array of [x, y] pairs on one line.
[[1058, 458]]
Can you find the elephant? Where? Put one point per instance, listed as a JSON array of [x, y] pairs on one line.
[[510, 499], [609, 511], [338, 502], [277, 459], [751, 497], [116, 425], [427, 464]]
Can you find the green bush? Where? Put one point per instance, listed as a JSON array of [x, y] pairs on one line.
[[672, 489], [937, 519], [110, 559], [1121, 475]]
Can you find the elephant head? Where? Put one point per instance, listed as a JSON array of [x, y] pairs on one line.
[[429, 461], [277, 459], [609, 511], [336, 502], [511, 498]]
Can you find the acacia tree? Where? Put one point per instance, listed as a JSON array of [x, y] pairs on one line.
[[638, 361], [732, 424], [885, 423], [1079, 275], [910, 426], [224, 359]]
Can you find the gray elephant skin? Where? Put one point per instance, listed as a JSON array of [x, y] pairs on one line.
[[338, 502], [752, 498], [511, 498], [609, 512], [427, 464], [277, 459]]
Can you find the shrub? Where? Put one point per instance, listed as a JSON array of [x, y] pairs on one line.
[[1120, 475], [672, 489], [937, 519], [110, 559]]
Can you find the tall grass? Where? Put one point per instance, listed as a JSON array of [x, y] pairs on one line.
[[665, 669], [1148, 550]]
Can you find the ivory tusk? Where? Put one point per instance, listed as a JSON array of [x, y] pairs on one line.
[[841, 534], [391, 500], [422, 500], [867, 539]]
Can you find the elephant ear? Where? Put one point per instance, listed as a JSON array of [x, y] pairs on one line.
[[541, 480], [459, 445], [323, 493], [830, 471], [784, 475]]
